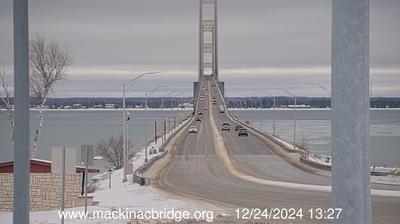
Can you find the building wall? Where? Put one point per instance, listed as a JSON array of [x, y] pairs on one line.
[[45, 191], [35, 167]]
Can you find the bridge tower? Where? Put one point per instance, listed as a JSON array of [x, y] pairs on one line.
[[208, 42], [208, 38]]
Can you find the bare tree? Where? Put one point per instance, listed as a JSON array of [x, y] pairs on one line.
[[7, 100], [112, 150], [48, 65]]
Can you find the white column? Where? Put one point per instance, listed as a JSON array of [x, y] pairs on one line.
[[350, 111]]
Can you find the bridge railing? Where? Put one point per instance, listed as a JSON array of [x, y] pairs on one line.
[[138, 174]]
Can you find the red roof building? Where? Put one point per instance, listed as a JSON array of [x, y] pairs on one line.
[[39, 166]]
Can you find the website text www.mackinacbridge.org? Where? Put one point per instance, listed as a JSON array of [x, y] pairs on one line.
[[151, 214]]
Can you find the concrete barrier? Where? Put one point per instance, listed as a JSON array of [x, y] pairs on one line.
[[314, 164]]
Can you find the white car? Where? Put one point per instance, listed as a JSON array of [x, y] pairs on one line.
[[193, 129]]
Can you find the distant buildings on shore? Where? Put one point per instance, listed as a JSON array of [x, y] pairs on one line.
[[187, 102]]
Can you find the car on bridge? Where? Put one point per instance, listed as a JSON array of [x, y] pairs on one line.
[[238, 127], [226, 126], [243, 131], [193, 129]]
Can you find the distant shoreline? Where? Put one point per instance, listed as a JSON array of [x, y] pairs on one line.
[[189, 109]]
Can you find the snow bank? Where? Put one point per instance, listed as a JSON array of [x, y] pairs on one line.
[[288, 145], [121, 195]]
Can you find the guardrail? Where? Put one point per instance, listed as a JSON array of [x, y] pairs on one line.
[[138, 174], [314, 164], [254, 129]]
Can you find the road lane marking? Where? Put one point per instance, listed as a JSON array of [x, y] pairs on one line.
[[224, 157]]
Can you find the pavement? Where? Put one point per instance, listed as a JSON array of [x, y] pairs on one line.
[[195, 169]]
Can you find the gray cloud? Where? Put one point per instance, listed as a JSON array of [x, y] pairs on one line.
[[139, 35]]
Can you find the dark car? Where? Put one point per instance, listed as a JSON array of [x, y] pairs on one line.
[[200, 113], [198, 119], [243, 131], [237, 127]]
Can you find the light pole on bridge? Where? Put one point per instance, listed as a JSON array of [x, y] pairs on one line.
[[147, 94], [167, 95], [125, 87], [295, 115], [273, 113], [177, 106], [326, 90]]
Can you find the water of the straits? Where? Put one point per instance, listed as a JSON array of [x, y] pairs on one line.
[[78, 127], [313, 130], [73, 128]]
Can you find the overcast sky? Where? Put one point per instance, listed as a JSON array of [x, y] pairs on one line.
[[262, 44]]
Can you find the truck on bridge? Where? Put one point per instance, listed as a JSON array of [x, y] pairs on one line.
[[221, 108]]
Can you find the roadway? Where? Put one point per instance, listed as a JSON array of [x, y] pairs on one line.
[[196, 170]]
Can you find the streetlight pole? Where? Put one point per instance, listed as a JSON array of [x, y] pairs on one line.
[[125, 87], [162, 99], [295, 118], [273, 113], [162, 108], [254, 107], [177, 106], [147, 94], [326, 90]]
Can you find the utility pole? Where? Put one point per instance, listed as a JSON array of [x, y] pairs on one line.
[[21, 112], [351, 186]]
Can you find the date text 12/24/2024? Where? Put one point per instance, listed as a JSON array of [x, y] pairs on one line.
[[287, 213]]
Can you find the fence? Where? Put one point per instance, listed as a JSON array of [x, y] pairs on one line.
[[138, 174]]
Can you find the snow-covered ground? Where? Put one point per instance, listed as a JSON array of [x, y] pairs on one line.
[[288, 145], [390, 179], [322, 160], [121, 195], [127, 196], [326, 161], [139, 158]]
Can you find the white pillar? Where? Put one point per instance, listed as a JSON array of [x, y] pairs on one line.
[[21, 102], [350, 111]]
